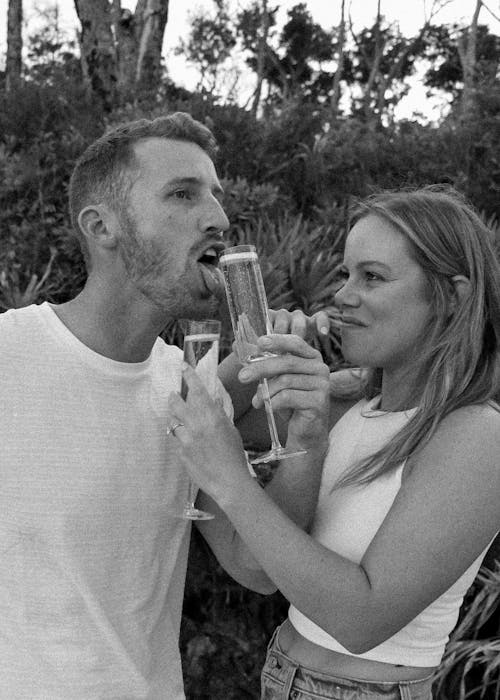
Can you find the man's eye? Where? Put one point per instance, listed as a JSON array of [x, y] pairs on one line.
[[342, 273], [181, 194], [372, 276]]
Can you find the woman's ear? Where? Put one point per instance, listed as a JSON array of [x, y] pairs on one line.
[[461, 289], [97, 225]]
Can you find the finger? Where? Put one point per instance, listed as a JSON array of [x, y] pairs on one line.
[[282, 364], [311, 386], [177, 412], [282, 321], [321, 322], [289, 343], [300, 323], [293, 399]]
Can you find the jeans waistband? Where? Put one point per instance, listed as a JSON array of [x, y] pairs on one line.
[[407, 688]]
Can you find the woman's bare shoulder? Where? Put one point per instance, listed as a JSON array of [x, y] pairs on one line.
[[466, 443]]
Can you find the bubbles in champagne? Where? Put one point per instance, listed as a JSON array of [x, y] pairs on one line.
[[247, 302]]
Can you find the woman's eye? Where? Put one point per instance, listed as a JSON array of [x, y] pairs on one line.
[[342, 273], [181, 194], [372, 276]]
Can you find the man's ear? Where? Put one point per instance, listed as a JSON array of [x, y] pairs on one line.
[[98, 225], [462, 288]]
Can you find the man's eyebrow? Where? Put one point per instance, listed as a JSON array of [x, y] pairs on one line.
[[190, 180]]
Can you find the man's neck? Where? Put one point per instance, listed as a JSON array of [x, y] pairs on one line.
[[112, 325]]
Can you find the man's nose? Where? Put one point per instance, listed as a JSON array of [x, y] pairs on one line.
[[215, 220]]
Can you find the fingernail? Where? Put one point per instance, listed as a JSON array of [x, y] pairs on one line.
[[244, 375], [264, 340], [184, 366], [324, 330]]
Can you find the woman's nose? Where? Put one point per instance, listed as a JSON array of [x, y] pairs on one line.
[[347, 295]]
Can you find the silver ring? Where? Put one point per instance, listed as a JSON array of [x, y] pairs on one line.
[[171, 430]]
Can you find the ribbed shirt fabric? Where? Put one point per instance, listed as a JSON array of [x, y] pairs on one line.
[[92, 551]]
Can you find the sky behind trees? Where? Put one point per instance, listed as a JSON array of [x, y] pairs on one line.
[[410, 15]]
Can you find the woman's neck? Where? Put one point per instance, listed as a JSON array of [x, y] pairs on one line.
[[400, 390]]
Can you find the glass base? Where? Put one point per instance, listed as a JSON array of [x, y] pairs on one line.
[[277, 454], [195, 514]]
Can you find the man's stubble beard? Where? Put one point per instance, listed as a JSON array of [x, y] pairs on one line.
[[147, 268]]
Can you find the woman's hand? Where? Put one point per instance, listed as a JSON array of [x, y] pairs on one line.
[[298, 323], [298, 382]]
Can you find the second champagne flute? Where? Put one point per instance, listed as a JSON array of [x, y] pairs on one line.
[[247, 302], [201, 352]]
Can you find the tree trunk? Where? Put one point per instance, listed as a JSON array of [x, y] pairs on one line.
[[97, 49], [125, 30], [151, 19], [467, 43], [340, 65], [261, 56], [14, 63], [374, 71], [120, 49]]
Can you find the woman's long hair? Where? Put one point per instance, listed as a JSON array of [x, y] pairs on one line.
[[459, 358]]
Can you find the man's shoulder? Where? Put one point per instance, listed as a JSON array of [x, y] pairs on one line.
[[14, 321], [167, 351]]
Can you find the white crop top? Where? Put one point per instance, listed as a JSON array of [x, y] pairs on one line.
[[346, 521]]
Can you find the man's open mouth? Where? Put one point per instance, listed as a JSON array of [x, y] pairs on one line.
[[209, 266], [210, 257]]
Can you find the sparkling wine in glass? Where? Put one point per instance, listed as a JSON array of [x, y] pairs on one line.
[[201, 352], [247, 303]]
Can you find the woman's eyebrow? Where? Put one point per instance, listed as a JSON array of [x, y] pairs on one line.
[[366, 263], [374, 262]]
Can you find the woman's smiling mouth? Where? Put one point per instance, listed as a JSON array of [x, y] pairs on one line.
[[350, 322]]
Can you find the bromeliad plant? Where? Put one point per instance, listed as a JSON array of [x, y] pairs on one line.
[[471, 665], [299, 261]]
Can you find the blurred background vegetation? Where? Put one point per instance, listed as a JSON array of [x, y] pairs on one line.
[[318, 131]]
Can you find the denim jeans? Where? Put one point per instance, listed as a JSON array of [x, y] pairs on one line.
[[283, 679]]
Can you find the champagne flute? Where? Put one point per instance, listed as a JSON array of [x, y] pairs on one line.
[[247, 302], [201, 352]]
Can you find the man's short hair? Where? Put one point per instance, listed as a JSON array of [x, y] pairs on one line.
[[103, 173]]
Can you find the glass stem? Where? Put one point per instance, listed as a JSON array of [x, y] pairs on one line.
[[191, 494], [275, 442]]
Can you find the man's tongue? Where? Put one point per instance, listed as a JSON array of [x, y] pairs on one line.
[[213, 279]]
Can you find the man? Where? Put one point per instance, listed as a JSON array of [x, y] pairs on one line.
[[92, 549]]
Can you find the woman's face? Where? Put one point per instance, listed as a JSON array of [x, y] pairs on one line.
[[384, 305]]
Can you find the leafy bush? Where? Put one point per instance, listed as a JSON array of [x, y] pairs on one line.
[[471, 664], [289, 179]]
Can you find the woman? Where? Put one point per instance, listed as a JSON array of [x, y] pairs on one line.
[[408, 502]]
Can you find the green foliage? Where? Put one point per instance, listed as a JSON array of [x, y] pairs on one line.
[[225, 630], [471, 664], [209, 44], [289, 178], [445, 70]]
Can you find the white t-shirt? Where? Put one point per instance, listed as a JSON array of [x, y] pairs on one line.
[[92, 553]]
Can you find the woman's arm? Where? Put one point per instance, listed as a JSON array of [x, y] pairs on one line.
[[442, 518], [294, 487]]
